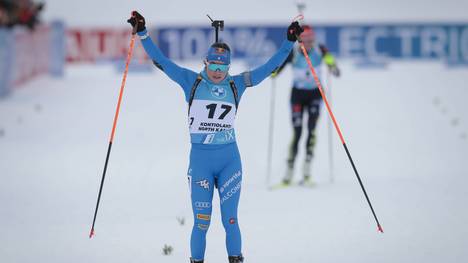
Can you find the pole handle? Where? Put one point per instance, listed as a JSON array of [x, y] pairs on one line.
[[134, 29]]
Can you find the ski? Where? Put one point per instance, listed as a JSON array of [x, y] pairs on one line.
[[281, 185]]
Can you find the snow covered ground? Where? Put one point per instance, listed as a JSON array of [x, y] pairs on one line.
[[406, 128]]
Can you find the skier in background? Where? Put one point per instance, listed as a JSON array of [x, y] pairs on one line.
[[213, 96], [305, 97]]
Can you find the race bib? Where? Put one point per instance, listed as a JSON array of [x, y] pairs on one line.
[[303, 75], [210, 116], [303, 78]]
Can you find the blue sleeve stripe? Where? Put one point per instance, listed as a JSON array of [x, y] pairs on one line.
[[262, 72], [247, 79], [180, 75]]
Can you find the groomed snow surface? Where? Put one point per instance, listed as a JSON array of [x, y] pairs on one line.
[[406, 127]]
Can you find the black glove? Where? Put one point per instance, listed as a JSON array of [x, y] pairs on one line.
[[137, 19], [323, 49], [329, 60], [40, 6], [335, 71], [294, 30]]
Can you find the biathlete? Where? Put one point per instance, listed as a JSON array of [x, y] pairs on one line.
[[305, 97], [213, 97]]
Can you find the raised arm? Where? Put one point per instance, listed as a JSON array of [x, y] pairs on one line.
[[265, 70], [289, 59], [184, 77], [329, 60], [277, 60]]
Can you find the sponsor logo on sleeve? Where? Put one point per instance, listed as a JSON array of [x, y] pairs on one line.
[[203, 226], [230, 193], [202, 205], [218, 92], [230, 181], [203, 217], [205, 184]]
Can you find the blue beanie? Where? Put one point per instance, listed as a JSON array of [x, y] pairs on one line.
[[219, 52]]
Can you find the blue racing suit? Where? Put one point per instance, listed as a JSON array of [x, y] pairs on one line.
[[214, 156]]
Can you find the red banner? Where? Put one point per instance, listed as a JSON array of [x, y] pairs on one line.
[[92, 45], [32, 54]]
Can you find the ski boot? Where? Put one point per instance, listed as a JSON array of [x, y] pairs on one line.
[[236, 259], [289, 173], [307, 178], [195, 261]]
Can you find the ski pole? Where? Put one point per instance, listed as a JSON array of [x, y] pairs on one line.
[[270, 131], [301, 6], [116, 116], [338, 130], [330, 129]]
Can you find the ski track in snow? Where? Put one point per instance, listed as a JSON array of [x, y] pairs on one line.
[[397, 123]]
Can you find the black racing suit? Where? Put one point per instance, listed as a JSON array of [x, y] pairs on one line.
[[305, 96]]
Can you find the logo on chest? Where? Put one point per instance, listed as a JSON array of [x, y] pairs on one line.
[[218, 92]]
